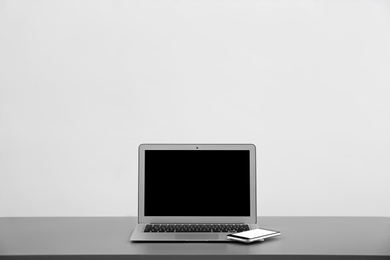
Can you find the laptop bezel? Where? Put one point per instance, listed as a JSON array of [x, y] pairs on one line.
[[251, 219]]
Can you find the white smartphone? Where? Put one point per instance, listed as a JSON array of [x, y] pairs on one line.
[[253, 235]]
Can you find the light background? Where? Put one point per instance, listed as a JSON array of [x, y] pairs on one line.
[[83, 83]]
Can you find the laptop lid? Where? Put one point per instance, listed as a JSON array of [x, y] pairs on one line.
[[197, 183]]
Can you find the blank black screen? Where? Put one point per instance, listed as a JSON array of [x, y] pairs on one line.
[[197, 183]]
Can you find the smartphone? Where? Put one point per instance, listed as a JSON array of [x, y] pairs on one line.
[[253, 235]]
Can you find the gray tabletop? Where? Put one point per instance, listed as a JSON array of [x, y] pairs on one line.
[[345, 237]]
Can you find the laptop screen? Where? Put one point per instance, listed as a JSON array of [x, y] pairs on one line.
[[208, 183]]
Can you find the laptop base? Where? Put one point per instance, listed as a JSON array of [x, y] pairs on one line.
[[139, 235]]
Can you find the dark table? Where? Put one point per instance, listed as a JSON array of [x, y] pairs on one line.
[[108, 238]]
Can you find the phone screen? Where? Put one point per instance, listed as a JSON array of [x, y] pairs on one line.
[[255, 233]]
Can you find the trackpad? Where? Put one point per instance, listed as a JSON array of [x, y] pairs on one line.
[[196, 236]]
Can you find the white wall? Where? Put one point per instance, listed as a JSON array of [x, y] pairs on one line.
[[83, 83]]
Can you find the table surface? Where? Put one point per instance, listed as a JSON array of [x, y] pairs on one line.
[[346, 236]]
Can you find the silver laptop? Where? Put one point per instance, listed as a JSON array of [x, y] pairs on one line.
[[195, 192]]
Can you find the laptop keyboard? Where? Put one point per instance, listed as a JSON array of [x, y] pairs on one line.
[[196, 228]]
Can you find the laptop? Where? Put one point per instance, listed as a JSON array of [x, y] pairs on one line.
[[195, 192]]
